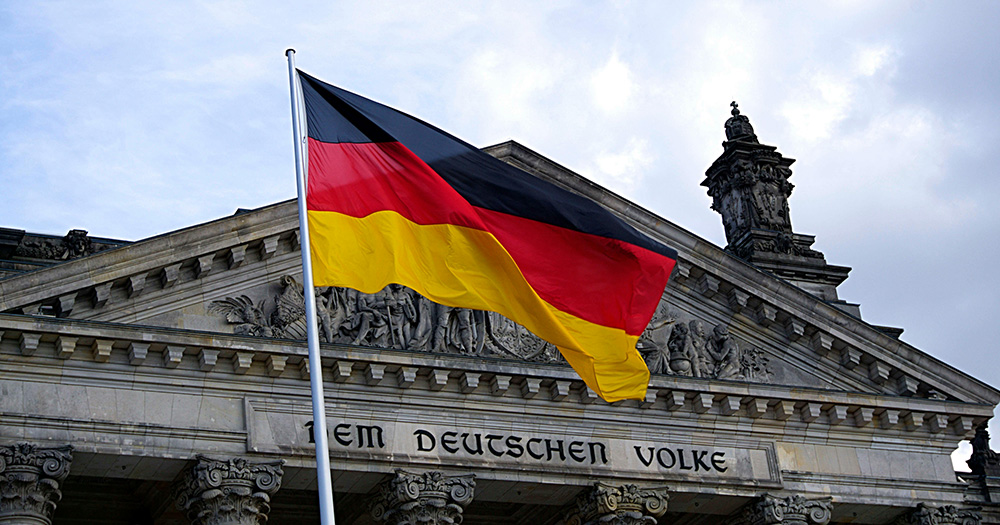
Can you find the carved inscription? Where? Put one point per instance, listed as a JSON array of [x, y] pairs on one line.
[[515, 446], [683, 459], [509, 442], [468, 443]]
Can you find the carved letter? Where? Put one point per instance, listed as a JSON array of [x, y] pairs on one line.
[[719, 460], [366, 431], [638, 452], [513, 448], [478, 451], [421, 434], [489, 444], [593, 455], [576, 451], [549, 449], [659, 457], [342, 433], [531, 452], [449, 442], [680, 454], [699, 460]]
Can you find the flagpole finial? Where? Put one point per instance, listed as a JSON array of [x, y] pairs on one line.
[[290, 50]]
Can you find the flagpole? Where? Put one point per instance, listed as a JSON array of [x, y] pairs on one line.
[[315, 365]]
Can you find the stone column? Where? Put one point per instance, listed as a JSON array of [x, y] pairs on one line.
[[29, 482], [621, 505], [793, 510], [429, 498], [232, 491], [925, 514]]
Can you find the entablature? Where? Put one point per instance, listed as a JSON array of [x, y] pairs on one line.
[[36, 346]]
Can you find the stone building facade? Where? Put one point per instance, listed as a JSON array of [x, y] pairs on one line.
[[166, 381]]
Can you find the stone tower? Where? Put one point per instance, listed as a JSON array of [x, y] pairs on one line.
[[749, 187]]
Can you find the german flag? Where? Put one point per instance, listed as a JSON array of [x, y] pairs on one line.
[[392, 199]]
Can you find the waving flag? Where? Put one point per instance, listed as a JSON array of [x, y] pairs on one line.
[[392, 199]]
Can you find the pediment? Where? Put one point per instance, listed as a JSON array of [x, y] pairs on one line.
[[720, 320]]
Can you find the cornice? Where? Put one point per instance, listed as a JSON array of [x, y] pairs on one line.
[[88, 349], [157, 262]]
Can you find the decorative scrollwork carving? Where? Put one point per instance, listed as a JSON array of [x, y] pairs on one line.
[[230, 491], [428, 498], [925, 514], [624, 505], [29, 481], [793, 510]]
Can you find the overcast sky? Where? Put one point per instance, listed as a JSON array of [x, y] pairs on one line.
[[130, 119]]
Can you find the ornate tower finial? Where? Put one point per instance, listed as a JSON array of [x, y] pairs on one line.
[[738, 126], [749, 187]]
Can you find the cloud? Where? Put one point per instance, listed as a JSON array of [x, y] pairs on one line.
[[871, 60], [621, 170], [824, 97], [612, 86]]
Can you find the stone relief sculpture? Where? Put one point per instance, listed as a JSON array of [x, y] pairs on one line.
[[76, 243], [394, 317], [674, 347], [398, 317]]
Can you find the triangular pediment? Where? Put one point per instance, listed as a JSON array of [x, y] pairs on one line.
[[721, 319]]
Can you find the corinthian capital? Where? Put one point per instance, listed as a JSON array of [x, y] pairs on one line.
[[232, 491], [925, 514], [29, 482], [429, 498], [792, 510], [625, 505]]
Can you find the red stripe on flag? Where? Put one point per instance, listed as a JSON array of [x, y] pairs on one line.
[[601, 280], [361, 179]]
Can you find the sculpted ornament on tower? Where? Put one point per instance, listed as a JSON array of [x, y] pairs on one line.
[[750, 189]]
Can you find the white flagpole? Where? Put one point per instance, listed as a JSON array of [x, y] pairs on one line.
[[315, 365]]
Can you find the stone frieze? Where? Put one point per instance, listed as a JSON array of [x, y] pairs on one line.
[[398, 317]]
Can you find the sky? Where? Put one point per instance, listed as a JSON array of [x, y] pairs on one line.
[[130, 119]]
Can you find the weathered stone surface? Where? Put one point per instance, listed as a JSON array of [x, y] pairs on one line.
[[428, 498], [620, 505], [233, 491], [29, 482], [792, 510], [395, 317], [925, 514], [749, 187], [398, 317]]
